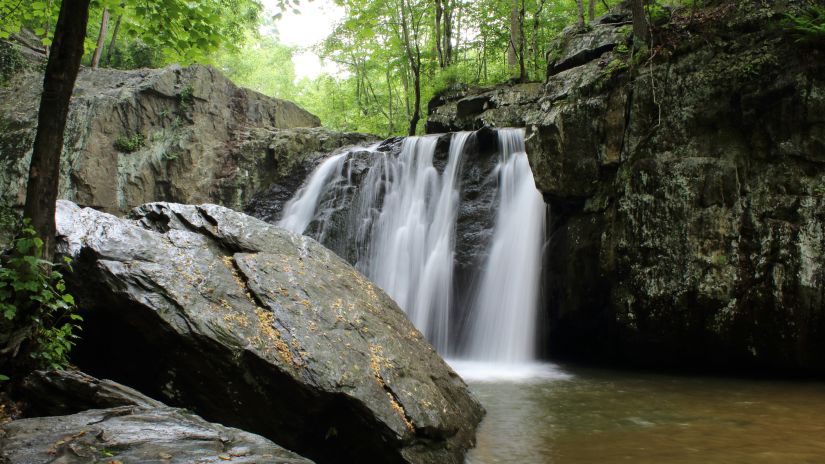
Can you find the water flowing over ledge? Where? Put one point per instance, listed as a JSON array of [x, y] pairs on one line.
[[394, 215]]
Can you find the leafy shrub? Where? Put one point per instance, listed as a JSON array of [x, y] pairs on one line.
[[187, 94], [808, 27], [130, 143], [33, 294], [11, 62], [136, 54]]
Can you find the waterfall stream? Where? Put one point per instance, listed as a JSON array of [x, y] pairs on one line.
[[396, 220]]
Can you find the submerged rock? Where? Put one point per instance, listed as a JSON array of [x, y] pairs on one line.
[[134, 434], [261, 329]]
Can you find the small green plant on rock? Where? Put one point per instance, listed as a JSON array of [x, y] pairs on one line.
[[187, 95], [38, 316], [130, 143], [11, 62], [808, 27], [169, 156]]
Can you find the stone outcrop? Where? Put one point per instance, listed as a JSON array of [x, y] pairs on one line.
[[72, 417], [686, 188], [129, 434], [173, 134], [257, 328]]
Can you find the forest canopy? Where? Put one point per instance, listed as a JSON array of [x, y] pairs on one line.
[[392, 56]]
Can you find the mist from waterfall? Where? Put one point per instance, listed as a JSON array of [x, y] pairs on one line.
[[398, 220]]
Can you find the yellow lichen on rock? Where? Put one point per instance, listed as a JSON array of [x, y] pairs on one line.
[[267, 322]]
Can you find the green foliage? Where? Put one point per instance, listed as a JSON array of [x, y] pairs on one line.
[[657, 13], [33, 292], [169, 156], [38, 15], [808, 27], [374, 92], [130, 143], [11, 62], [154, 33], [187, 94], [136, 54], [254, 66]]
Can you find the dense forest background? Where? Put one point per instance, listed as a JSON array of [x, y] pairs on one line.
[[392, 56]]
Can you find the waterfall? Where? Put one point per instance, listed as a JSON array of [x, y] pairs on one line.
[[503, 324], [301, 209], [398, 218]]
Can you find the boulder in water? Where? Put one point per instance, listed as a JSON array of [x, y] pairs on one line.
[[258, 328]]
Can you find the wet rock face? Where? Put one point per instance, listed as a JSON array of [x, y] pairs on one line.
[[134, 434], [261, 329], [173, 134], [688, 216]]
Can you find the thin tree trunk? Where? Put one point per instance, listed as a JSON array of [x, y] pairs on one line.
[[410, 31], [58, 83], [448, 33], [580, 6], [417, 108], [391, 128], [535, 41], [522, 70], [591, 10], [101, 38], [439, 13], [512, 52], [48, 25], [113, 42], [640, 30]]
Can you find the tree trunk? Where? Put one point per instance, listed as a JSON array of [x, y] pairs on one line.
[[58, 83], [640, 31], [439, 13], [417, 108], [522, 76], [512, 52], [448, 33], [536, 53], [113, 42], [580, 7], [591, 10], [101, 38]]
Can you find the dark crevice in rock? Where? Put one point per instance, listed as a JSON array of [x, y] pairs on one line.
[[579, 59]]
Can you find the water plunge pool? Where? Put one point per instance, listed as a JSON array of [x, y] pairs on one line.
[[561, 415]]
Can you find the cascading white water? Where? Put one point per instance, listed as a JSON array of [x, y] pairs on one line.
[[502, 326], [413, 240], [402, 220], [300, 210]]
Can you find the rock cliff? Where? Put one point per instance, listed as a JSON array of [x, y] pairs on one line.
[[173, 134], [686, 185]]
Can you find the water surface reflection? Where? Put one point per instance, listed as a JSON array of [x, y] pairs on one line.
[[600, 416]]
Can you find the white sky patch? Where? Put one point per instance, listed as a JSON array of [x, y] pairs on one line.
[[315, 22]]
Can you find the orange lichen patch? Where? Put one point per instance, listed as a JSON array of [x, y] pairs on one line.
[[396, 406], [376, 362], [267, 322], [238, 319]]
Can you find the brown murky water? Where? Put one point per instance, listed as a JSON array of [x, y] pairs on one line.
[[599, 416]]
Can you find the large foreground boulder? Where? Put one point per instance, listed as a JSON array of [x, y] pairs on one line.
[[261, 329]]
